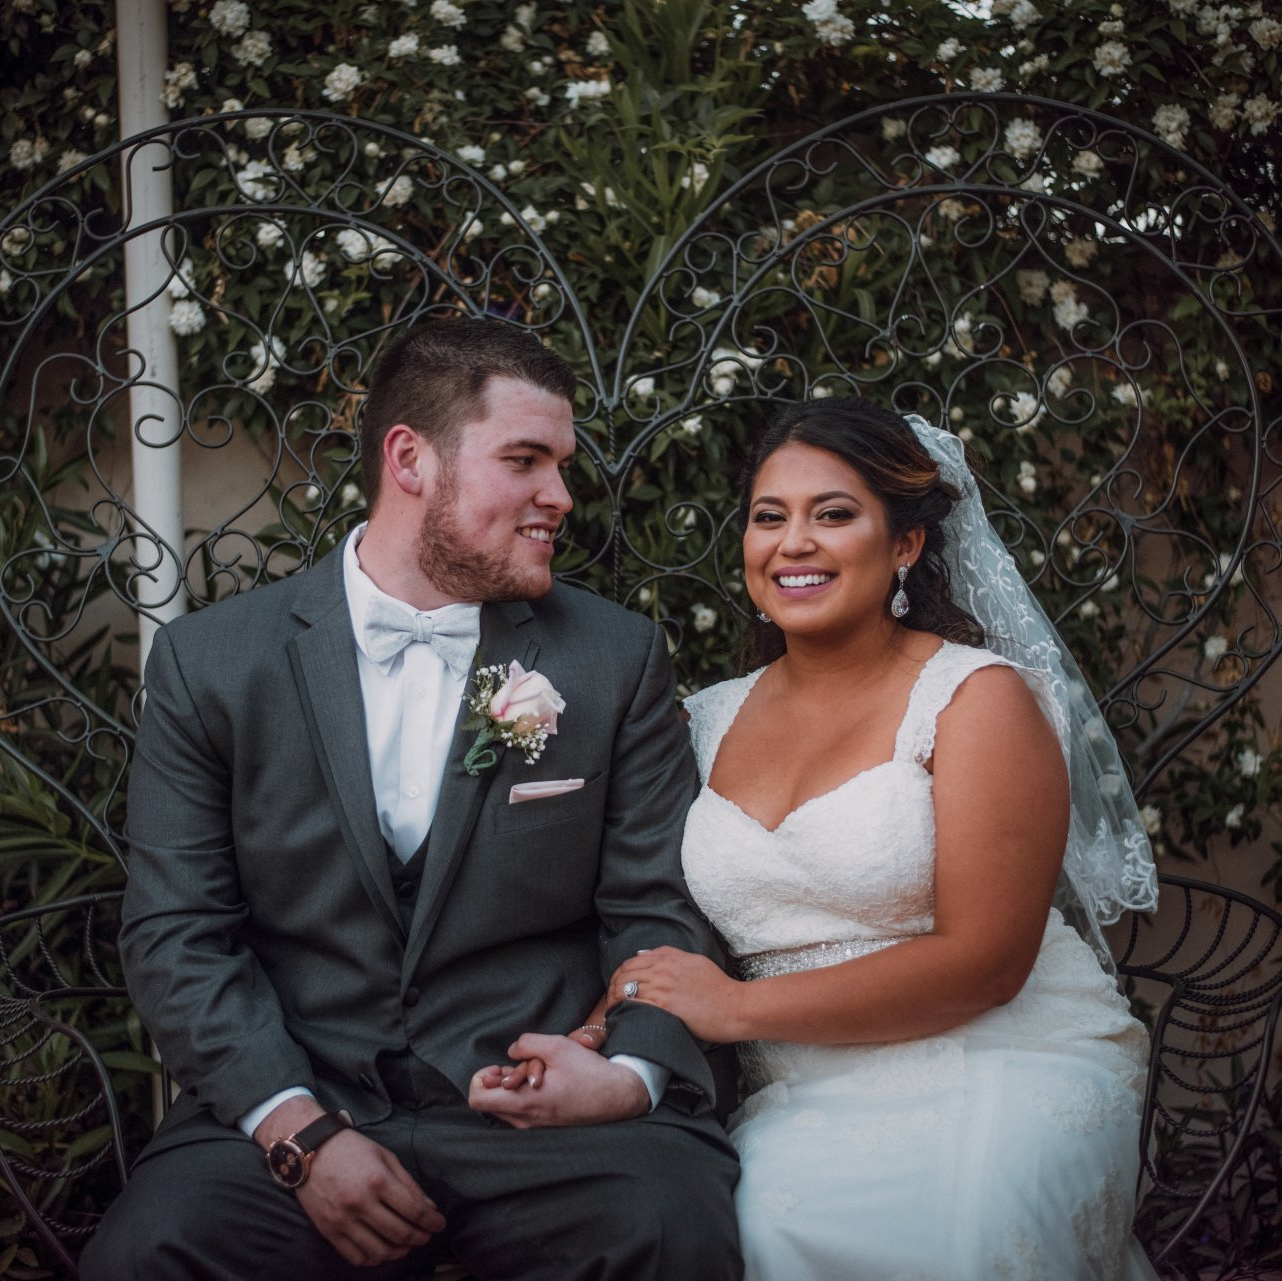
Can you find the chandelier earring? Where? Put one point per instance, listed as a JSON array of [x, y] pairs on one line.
[[899, 604]]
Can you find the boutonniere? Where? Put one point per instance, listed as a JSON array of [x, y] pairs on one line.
[[512, 708]]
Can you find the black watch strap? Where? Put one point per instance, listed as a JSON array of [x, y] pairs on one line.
[[310, 1137]]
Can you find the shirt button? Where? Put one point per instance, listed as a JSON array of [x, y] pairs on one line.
[[410, 999], [419, 690], [404, 889], [413, 790]]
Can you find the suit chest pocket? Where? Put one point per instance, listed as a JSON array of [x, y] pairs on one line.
[[585, 805]]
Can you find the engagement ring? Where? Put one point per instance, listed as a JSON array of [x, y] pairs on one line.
[[630, 988]]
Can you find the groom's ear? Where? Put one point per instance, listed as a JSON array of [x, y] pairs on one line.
[[409, 462]]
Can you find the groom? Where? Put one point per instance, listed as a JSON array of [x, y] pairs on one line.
[[331, 925]]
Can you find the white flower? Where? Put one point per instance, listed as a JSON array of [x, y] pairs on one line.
[[183, 281], [1032, 285], [705, 618], [82, 58], [1249, 762], [263, 376], [1267, 33], [702, 297], [269, 234], [1222, 370], [497, 173], [961, 340], [512, 40], [186, 317], [231, 104], [1088, 608], [70, 159], [1215, 647], [1111, 58], [516, 168], [342, 82], [1088, 163], [536, 222], [543, 291], [1060, 380], [1069, 312], [987, 80], [297, 158], [1080, 251], [1024, 14], [1028, 478], [23, 154], [178, 78], [641, 387], [948, 50], [1023, 138], [397, 191], [1151, 817], [696, 176], [1224, 110], [598, 45], [446, 55], [230, 18], [1034, 66], [357, 246], [250, 180], [577, 90], [1037, 556], [892, 127], [405, 46], [723, 385], [6, 282], [1182, 7], [253, 48], [537, 96], [309, 271], [607, 194], [259, 126], [1233, 818], [447, 14], [1171, 124], [1112, 28], [943, 156], [692, 426], [1025, 411], [1259, 113], [471, 154], [1125, 394], [473, 228]]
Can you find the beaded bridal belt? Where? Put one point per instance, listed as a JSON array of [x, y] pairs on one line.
[[813, 956]]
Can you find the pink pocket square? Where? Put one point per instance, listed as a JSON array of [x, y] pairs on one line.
[[540, 791]]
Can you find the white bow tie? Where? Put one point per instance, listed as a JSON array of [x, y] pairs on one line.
[[452, 631]]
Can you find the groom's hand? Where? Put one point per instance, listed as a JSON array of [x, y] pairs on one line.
[[579, 1087], [360, 1197]]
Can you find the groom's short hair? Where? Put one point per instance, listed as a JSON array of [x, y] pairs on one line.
[[433, 379]]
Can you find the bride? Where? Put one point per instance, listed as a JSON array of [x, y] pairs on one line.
[[900, 805]]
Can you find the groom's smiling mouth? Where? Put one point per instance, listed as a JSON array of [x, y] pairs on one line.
[[539, 533]]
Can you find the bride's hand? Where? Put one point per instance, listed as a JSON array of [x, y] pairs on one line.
[[685, 984]]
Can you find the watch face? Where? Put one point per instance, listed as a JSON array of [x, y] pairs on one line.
[[287, 1163]]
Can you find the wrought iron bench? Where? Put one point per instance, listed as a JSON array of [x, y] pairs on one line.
[[1205, 970]]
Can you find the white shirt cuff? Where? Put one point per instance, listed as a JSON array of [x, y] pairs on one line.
[[653, 1077], [255, 1116]]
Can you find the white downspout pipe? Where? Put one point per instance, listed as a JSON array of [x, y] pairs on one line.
[[142, 53]]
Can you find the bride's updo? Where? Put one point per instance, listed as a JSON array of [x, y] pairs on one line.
[[885, 451]]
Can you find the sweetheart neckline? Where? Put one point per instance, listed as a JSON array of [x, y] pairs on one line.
[[823, 796]]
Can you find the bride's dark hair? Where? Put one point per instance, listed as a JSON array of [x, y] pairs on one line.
[[885, 451]]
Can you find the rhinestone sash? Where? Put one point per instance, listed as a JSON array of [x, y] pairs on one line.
[[812, 956]]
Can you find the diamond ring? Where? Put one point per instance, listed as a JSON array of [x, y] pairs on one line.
[[630, 988]]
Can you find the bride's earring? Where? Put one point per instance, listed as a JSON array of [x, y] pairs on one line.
[[899, 605], [761, 614]]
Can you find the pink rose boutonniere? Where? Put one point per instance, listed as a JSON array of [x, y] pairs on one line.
[[510, 708]]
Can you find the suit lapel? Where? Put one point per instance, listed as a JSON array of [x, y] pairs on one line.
[[324, 662], [462, 794]]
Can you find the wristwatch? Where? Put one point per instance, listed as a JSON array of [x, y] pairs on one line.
[[289, 1160]]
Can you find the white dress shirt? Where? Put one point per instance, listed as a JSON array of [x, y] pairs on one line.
[[411, 705]]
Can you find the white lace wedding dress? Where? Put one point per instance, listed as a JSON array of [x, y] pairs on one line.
[[1003, 1149]]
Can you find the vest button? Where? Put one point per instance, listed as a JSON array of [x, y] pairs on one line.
[[410, 999], [366, 1082], [404, 889]]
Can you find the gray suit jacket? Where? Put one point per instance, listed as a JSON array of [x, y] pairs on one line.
[[261, 939]]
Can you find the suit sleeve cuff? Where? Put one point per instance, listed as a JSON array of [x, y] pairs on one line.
[[654, 1077], [255, 1116]]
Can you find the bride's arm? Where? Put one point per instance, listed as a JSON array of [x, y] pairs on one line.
[[1001, 817]]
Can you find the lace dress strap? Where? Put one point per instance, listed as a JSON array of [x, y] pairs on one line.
[[712, 712], [936, 684]]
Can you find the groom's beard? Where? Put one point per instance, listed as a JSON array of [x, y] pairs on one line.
[[467, 573]]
